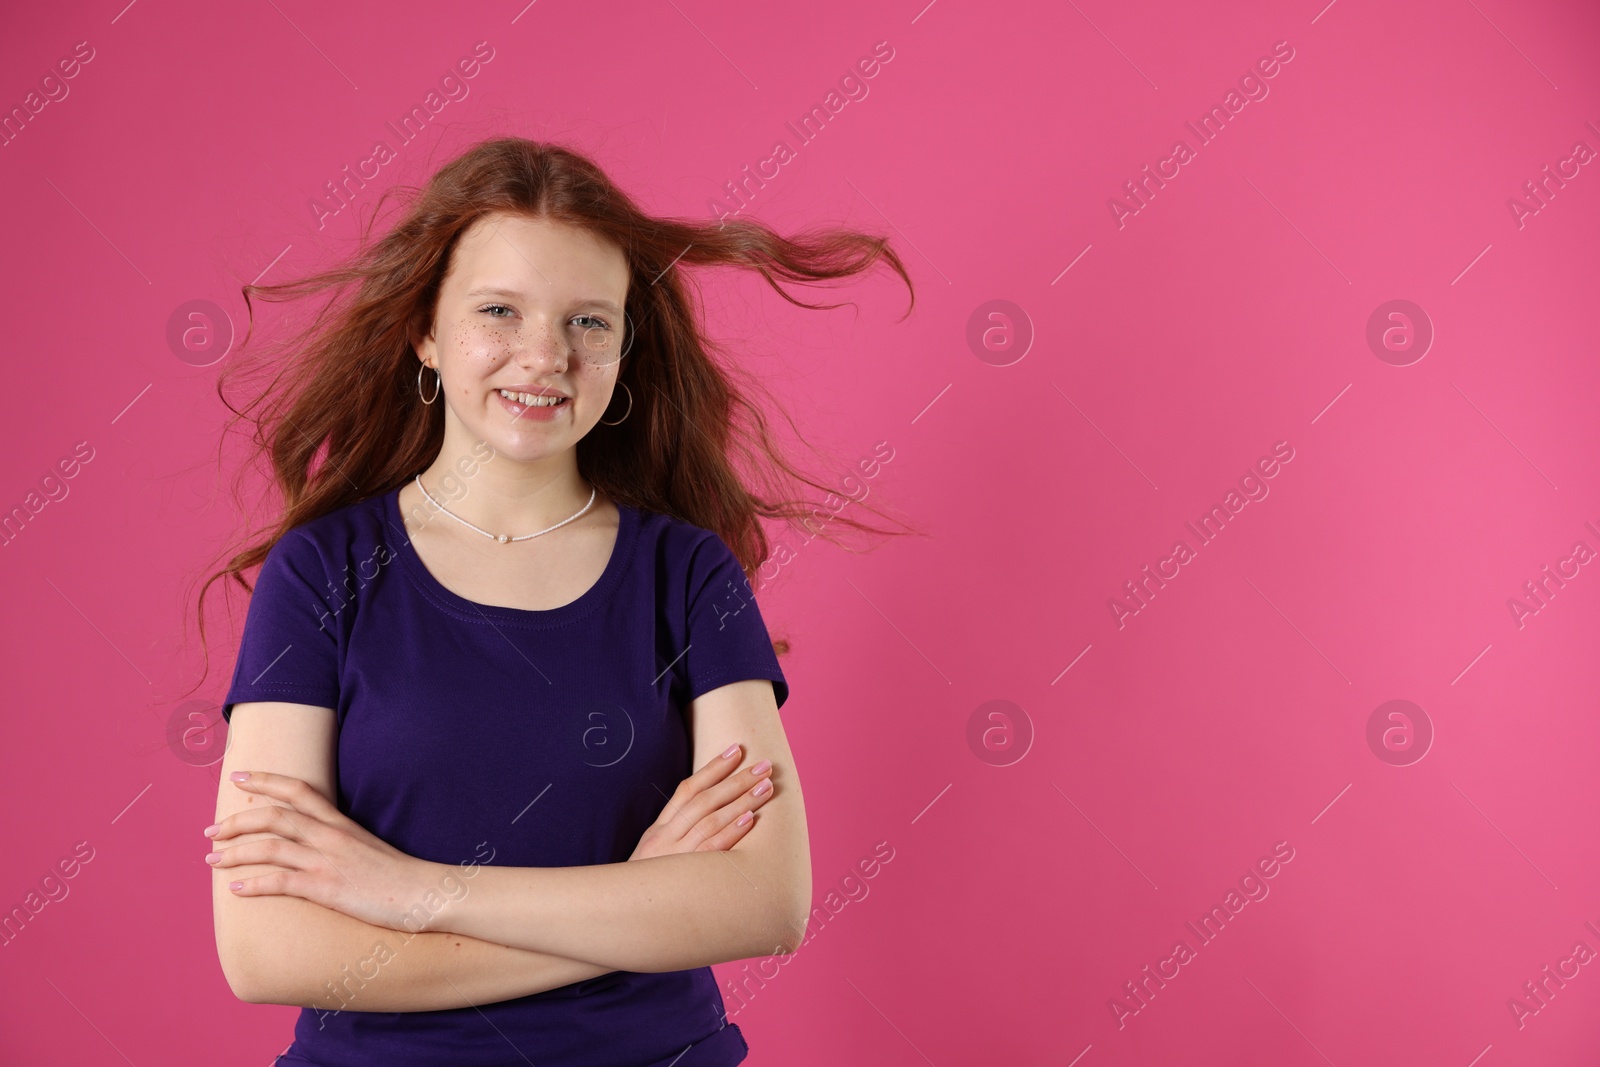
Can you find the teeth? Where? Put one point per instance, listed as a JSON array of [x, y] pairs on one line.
[[531, 400]]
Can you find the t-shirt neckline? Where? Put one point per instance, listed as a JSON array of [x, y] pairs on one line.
[[471, 610]]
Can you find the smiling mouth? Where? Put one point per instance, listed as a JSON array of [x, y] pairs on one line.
[[533, 400]]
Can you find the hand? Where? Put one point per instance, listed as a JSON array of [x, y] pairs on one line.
[[703, 813], [326, 856]]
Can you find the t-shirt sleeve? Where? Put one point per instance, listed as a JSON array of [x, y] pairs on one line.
[[289, 651], [727, 638]]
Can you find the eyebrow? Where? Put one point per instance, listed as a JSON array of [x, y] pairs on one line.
[[515, 294]]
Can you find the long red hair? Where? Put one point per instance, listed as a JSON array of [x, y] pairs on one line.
[[339, 419]]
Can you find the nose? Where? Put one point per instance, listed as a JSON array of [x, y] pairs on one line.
[[543, 342]]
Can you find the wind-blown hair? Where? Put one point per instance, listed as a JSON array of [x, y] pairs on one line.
[[340, 419]]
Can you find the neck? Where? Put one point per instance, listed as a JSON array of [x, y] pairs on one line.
[[504, 495]]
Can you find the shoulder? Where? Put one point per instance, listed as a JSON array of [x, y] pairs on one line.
[[678, 546], [332, 539]]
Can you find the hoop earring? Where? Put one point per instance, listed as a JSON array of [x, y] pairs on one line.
[[625, 414], [438, 383]]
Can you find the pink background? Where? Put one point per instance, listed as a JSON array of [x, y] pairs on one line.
[[1230, 313]]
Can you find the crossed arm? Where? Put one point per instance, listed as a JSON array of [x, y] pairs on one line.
[[516, 931]]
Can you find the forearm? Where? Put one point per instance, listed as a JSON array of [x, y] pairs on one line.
[[665, 913], [315, 957]]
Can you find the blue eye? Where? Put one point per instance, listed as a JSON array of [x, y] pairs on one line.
[[491, 307], [596, 319]]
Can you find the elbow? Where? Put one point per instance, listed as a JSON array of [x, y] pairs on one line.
[[253, 986], [788, 939], [788, 931], [248, 993], [778, 930], [242, 982], [243, 979], [248, 975], [776, 920], [260, 947]]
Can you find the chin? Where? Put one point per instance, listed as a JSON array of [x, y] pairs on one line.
[[525, 446]]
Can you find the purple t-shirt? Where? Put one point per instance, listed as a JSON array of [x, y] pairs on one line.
[[477, 734]]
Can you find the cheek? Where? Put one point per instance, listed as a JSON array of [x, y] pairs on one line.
[[481, 344]]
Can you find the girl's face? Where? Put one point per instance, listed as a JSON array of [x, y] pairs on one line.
[[527, 307]]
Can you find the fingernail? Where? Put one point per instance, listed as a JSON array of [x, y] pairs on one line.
[[240, 776], [733, 750], [212, 857], [761, 790], [211, 831], [762, 767], [235, 886], [746, 817]]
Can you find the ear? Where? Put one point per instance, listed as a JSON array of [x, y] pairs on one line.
[[423, 343]]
